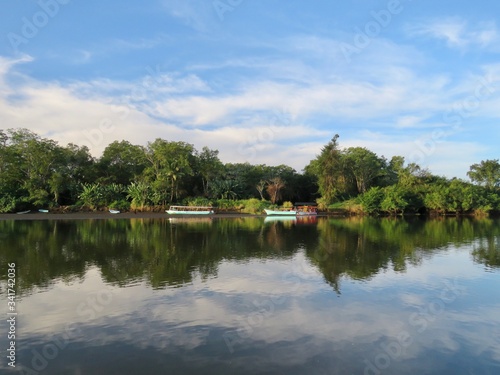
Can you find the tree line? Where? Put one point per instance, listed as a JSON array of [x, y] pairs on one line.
[[360, 181], [37, 172]]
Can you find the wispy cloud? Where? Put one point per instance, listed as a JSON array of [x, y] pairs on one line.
[[458, 33], [197, 14]]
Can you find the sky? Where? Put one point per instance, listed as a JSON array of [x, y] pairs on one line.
[[262, 81]]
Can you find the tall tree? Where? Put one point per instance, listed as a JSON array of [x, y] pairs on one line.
[[121, 163], [209, 166], [169, 164], [486, 173], [329, 170], [274, 187], [364, 165]]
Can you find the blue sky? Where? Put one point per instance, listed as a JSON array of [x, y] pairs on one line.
[[261, 81]]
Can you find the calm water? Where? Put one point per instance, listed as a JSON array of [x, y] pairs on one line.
[[249, 296]]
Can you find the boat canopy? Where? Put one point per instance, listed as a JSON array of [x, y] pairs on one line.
[[190, 208]]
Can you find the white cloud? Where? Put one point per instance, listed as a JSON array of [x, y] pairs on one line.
[[458, 33], [388, 116]]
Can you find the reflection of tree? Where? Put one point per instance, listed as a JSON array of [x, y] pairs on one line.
[[171, 253], [486, 249], [125, 251], [361, 247]]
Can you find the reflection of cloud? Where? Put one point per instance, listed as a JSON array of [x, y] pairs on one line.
[[278, 315]]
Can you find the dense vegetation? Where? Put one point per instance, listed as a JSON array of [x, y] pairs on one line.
[[366, 183], [36, 172]]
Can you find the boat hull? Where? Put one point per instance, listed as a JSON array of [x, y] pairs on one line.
[[280, 213], [173, 212]]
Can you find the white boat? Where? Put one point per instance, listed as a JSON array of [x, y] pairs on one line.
[[280, 213], [22, 212], [114, 212], [43, 211], [190, 210]]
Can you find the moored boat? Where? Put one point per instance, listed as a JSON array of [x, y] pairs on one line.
[[43, 211], [190, 210], [280, 212], [114, 212], [23, 212], [306, 209]]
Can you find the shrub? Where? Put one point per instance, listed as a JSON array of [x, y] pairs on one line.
[[7, 203], [371, 200], [197, 201], [254, 205]]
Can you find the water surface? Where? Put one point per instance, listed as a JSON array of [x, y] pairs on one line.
[[250, 296]]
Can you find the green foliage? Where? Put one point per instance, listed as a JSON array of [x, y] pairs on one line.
[[329, 170], [197, 201], [91, 195], [254, 205], [287, 204], [371, 200], [8, 203], [225, 189], [394, 201], [228, 204], [37, 172], [486, 173], [364, 166], [139, 193]]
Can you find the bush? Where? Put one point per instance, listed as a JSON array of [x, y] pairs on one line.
[[254, 205], [371, 200], [228, 204], [197, 201], [7, 203], [287, 204]]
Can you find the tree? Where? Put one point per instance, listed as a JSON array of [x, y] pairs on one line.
[[274, 187], [209, 166], [169, 164], [329, 170], [33, 160], [364, 165], [261, 186], [486, 173], [121, 163]]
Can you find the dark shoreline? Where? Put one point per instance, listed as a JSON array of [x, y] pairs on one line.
[[102, 215], [106, 215]]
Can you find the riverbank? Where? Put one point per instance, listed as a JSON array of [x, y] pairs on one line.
[[106, 215]]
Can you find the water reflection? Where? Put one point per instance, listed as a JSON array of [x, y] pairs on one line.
[[171, 252], [245, 296]]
